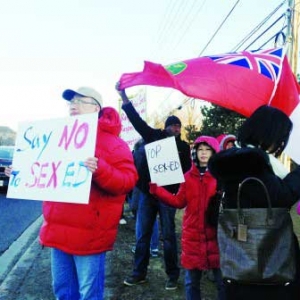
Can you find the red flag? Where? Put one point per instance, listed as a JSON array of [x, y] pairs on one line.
[[238, 81]]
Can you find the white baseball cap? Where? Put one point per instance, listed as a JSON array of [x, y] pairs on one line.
[[85, 92]]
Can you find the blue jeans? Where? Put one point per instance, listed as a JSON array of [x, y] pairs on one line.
[[148, 209], [154, 243], [192, 284], [77, 277]]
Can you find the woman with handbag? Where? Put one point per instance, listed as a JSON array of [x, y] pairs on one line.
[[261, 138]]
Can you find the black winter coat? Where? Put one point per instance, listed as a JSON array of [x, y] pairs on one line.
[[230, 167], [149, 135]]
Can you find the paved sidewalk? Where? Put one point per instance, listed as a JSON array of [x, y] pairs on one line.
[[30, 276]]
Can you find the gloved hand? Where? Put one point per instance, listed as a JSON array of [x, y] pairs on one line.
[[122, 93], [153, 187]]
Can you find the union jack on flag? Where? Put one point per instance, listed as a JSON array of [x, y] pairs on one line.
[[265, 62]]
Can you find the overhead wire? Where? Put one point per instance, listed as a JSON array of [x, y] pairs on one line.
[[275, 37], [249, 35], [268, 28], [253, 31], [188, 99], [184, 23], [170, 25], [166, 14], [218, 29], [187, 19], [210, 40]]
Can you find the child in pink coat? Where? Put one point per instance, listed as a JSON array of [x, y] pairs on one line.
[[199, 239]]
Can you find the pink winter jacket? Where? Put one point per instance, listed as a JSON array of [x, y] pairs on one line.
[[83, 229]]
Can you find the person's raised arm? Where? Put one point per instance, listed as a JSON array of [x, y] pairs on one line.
[[137, 122], [122, 94]]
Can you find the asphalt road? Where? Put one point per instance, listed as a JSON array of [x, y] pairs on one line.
[[15, 217]]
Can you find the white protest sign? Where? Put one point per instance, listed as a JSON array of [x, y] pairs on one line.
[[128, 133], [163, 162], [48, 159]]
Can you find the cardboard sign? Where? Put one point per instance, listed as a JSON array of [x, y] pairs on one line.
[[128, 133], [48, 159], [163, 162]]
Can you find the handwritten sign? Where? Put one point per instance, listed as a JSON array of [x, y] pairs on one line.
[[128, 133], [48, 159], [163, 162]]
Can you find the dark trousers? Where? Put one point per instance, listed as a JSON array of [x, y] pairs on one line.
[[148, 209]]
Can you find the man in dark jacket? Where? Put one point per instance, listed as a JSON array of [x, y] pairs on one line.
[[149, 206]]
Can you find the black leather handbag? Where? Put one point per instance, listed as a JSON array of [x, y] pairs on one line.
[[256, 245]]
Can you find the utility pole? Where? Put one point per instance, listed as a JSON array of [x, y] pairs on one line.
[[292, 50], [293, 34]]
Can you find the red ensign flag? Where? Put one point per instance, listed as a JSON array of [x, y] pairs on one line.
[[238, 81]]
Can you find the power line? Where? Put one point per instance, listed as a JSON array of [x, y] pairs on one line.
[[275, 37], [249, 35], [166, 18], [170, 24], [191, 22], [218, 29], [186, 100], [230, 12], [277, 20]]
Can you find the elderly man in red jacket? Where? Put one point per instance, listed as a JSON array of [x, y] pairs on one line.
[[79, 235]]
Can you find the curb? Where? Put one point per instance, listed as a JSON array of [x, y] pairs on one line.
[[14, 255]]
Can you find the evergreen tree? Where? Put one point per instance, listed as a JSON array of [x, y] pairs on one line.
[[217, 120]]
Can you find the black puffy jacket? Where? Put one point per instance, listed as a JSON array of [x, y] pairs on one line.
[[230, 167]]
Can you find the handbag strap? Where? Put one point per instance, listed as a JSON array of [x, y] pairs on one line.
[[269, 207]]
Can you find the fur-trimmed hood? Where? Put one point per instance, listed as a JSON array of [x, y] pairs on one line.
[[224, 139], [238, 163]]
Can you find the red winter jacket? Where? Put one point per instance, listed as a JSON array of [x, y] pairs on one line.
[[83, 229], [198, 240]]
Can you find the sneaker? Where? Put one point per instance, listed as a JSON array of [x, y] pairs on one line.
[[134, 280], [133, 249], [154, 253], [122, 221], [171, 284]]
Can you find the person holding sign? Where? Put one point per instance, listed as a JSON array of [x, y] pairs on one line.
[[149, 207], [199, 239], [79, 235]]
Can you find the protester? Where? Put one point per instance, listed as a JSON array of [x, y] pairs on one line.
[[79, 235], [262, 137], [199, 239], [149, 207], [135, 199], [226, 141]]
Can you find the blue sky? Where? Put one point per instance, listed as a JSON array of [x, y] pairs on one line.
[[51, 45]]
